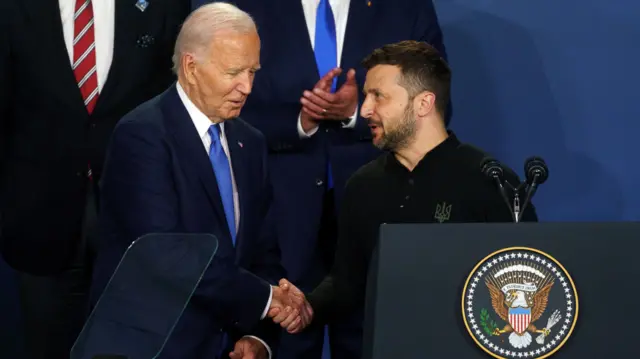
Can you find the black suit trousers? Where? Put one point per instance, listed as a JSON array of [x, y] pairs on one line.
[[55, 308]]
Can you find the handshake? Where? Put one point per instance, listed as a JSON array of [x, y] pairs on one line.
[[289, 307]]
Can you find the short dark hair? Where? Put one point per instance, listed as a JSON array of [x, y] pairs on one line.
[[422, 68]]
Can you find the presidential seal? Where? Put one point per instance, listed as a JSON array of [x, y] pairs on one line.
[[519, 303]]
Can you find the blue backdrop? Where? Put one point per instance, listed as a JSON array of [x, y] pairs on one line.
[[555, 78]]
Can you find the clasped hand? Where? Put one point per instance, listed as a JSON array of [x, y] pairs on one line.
[[290, 308], [321, 104]]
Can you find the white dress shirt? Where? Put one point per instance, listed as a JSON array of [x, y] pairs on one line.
[[103, 28], [202, 124], [340, 10]]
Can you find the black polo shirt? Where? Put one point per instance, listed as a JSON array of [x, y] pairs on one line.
[[446, 186]]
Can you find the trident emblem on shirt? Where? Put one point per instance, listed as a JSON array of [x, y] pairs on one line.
[[443, 212]]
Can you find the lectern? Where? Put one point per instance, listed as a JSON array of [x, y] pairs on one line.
[[145, 296], [504, 290]]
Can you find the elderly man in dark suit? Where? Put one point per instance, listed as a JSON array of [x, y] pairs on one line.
[[184, 162]]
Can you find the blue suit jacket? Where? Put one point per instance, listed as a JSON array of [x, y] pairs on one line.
[[299, 166], [158, 179]]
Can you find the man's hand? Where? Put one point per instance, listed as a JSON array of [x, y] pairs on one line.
[[289, 307], [249, 348], [321, 104], [306, 120]]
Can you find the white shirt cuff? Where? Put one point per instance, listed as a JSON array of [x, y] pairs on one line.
[[352, 120], [261, 341], [266, 309], [351, 124], [301, 132]]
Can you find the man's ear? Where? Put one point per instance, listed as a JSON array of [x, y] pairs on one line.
[[424, 103], [189, 68]]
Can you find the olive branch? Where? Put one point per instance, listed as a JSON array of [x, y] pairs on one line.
[[487, 323]]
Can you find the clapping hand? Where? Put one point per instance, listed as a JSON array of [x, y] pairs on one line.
[[290, 308], [320, 104]]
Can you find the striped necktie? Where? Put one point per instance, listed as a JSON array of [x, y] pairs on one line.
[[84, 53], [84, 57]]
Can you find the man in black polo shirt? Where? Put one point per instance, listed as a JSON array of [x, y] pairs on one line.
[[426, 176]]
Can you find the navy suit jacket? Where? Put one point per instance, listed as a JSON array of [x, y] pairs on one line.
[[158, 179], [47, 137], [299, 166]]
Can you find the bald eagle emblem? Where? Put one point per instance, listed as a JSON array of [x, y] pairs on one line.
[[520, 302]]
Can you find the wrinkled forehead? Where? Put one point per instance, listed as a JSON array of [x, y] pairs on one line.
[[233, 49], [382, 77]]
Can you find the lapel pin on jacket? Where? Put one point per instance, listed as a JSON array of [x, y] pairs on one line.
[[240, 144], [142, 5]]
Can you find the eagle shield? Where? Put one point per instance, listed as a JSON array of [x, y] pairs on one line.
[[519, 319], [534, 302]]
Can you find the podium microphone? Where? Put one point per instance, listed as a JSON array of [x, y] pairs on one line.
[[537, 173], [493, 171]]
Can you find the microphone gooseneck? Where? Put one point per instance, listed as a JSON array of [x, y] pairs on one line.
[[537, 173], [494, 172]]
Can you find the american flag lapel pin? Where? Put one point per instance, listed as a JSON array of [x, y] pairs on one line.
[[240, 144]]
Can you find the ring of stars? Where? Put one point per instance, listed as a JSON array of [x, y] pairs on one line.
[[559, 332]]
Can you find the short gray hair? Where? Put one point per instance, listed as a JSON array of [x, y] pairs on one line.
[[200, 27]]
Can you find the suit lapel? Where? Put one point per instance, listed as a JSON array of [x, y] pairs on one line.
[[359, 25], [124, 25], [297, 48], [238, 163], [45, 15], [193, 157]]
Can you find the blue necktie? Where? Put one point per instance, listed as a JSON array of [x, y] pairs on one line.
[[326, 51], [222, 170]]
